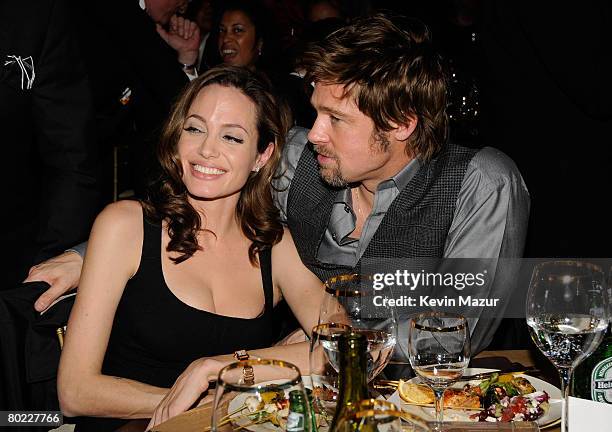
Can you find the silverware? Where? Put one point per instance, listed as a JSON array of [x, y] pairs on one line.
[[381, 383], [485, 375]]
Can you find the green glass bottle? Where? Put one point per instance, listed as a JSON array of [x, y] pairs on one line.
[[593, 377], [297, 420], [352, 376], [313, 417]]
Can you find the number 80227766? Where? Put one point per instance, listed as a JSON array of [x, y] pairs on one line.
[[31, 418]]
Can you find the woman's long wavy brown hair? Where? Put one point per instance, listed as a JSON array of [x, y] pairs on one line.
[[167, 198]]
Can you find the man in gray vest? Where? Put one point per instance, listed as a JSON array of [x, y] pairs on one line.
[[375, 176], [380, 181]]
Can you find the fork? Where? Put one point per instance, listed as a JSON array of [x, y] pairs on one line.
[[381, 383]]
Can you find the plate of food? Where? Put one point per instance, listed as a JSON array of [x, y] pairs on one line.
[[259, 412], [265, 411], [501, 398]]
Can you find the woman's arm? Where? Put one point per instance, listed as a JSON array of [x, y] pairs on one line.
[[302, 290], [112, 258], [192, 383]]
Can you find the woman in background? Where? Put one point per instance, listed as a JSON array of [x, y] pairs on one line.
[[245, 38]]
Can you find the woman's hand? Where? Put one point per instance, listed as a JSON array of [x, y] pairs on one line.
[[187, 389]]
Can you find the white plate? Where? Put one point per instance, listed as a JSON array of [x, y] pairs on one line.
[[552, 415]]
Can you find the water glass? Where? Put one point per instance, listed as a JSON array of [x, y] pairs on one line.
[[240, 404], [439, 351], [567, 314]]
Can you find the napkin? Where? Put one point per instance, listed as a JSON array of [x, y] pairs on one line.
[[586, 415]]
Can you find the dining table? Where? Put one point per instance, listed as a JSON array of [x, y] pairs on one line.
[[198, 419]]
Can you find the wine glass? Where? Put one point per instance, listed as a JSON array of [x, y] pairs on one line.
[[262, 400], [351, 301], [567, 314], [439, 351], [324, 377]]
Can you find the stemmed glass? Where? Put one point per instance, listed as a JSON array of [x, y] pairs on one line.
[[439, 351], [242, 405], [324, 375], [567, 314], [350, 303]]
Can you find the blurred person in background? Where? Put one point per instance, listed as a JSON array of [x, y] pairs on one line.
[[246, 37], [135, 77], [46, 117], [140, 55], [297, 90], [202, 13], [317, 10]]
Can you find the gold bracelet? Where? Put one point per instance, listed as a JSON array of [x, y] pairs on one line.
[[248, 375]]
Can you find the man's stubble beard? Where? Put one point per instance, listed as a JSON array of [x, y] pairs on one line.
[[333, 176], [379, 143]]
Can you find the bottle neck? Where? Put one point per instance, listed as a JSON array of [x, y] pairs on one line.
[[353, 384], [353, 375]]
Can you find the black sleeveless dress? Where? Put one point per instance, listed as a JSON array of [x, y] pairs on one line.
[[155, 336]]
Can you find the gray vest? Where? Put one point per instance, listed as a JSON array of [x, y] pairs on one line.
[[416, 223]]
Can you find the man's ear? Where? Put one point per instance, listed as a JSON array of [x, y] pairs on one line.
[[402, 132], [263, 157]]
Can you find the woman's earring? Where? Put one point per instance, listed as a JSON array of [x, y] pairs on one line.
[[256, 169]]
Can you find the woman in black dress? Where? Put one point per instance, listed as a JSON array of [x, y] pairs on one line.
[[171, 286]]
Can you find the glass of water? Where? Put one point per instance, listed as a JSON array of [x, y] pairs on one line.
[[567, 314], [351, 302], [439, 351], [253, 395]]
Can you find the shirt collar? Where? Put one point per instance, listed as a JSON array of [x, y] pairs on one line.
[[403, 177], [398, 181], [142, 4]]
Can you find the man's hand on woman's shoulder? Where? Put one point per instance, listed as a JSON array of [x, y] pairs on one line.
[[61, 272]]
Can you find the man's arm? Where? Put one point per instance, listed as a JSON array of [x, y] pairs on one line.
[[490, 222], [492, 210], [62, 272]]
